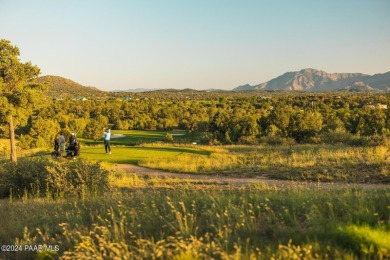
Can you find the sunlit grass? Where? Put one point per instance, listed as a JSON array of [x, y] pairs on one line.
[[5, 150], [366, 239], [308, 162], [134, 154], [165, 218]]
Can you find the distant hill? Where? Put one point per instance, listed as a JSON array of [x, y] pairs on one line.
[[379, 81], [318, 80], [174, 90], [214, 90], [136, 90], [360, 86], [60, 87], [245, 87]]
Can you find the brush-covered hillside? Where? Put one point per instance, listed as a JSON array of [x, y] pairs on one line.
[[63, 88]]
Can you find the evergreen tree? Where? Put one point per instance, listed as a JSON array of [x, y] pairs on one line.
[[20, 95]]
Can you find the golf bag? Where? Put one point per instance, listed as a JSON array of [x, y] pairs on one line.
[[73, 150]]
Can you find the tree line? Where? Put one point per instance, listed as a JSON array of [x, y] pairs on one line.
[[303, 118]]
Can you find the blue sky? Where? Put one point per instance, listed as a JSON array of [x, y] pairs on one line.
[[196, 44]]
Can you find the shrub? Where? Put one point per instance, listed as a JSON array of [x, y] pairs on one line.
[[276, 140], [334, 137], [28, 175], [37, 176], [375, 140], [39, 142], [206, 139], [168, 138], [74, 178], [249, 140], [314, 140], [355, 140], [26, 142]]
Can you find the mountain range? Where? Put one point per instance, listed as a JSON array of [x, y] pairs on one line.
[[318, 80], [303, 80]]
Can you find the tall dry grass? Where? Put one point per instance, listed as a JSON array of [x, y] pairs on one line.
[[182, 221], [298, 162]]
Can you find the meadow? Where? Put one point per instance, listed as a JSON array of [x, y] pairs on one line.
[[178, 219], [329, 163]]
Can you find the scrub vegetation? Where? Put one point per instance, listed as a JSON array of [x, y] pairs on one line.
[[330, 163]]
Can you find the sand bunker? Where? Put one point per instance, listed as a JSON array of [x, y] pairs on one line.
[[118, 136]]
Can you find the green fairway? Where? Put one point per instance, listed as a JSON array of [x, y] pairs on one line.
[[132, 155], [123, 151], [132, 137]]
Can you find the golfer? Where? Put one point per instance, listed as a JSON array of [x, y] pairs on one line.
[[107, 137], [61, 142]]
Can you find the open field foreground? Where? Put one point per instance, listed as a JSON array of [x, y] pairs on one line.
[[79, 209], [185, 201], [165, 218]]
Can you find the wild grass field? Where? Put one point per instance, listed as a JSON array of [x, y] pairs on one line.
[[178, 219], [294, 162]]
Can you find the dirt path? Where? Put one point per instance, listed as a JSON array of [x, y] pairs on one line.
[[241, 181]]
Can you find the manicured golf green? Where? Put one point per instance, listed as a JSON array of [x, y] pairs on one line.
[[134, 154]]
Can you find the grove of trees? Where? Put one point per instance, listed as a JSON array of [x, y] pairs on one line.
[[242, 119]]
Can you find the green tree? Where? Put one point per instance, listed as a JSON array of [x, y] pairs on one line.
[[45, 129], [280, 117], [20, 94], [305, 124], [77, 125], [95, 128]]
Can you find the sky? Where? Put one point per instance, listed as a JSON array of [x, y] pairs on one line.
[[199, 44]]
